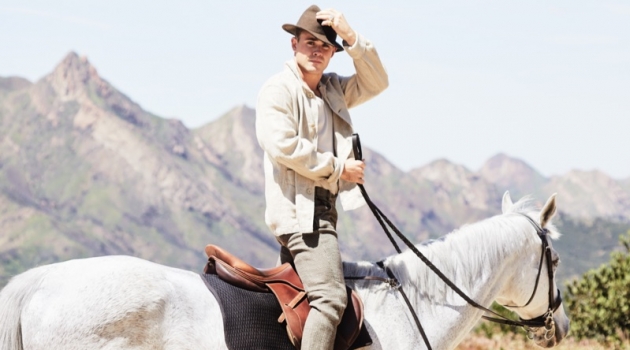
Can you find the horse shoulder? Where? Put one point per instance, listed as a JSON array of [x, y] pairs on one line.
[[388, 320]]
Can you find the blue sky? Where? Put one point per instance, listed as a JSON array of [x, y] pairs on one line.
[[544, 81]]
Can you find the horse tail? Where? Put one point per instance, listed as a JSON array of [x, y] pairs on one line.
[[13, 298]]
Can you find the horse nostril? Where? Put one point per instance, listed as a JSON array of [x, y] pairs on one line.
[[546, 343]]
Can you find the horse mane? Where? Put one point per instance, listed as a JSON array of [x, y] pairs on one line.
[[454, 255]]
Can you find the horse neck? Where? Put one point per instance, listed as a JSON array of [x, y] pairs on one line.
[[477, 259]]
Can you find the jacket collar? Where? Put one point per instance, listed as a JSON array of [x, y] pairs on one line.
[[293, 67], [334, 99]]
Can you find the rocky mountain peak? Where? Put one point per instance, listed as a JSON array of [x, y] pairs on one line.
[[13, 83], [232, 138], [442, 169], [600, 195], [72, 75], [509, 173], [502, 166], [245, 116], [243, 110], [459, 189]]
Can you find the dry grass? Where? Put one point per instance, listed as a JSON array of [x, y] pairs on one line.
[[517, 342]]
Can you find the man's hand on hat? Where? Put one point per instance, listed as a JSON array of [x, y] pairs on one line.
[[336, 20]]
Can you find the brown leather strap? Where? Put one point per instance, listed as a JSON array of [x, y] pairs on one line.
[[381, 264]]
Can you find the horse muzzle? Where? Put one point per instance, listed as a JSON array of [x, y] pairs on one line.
[[551, 334]]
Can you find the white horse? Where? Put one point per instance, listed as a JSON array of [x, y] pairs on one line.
[[120, 302]]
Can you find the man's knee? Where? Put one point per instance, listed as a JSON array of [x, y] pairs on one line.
[[330, 301]]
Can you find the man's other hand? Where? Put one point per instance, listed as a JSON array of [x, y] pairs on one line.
[[353, 171]]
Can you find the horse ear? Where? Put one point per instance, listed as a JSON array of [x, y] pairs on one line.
[[548, 211], [506, 204]]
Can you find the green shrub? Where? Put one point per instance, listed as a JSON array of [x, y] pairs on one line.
[[488, 328], [599, 302]]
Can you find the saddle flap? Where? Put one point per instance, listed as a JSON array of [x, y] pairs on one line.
[[351, 322], [295, 309]]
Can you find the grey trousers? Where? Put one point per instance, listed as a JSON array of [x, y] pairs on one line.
[[316, 257]]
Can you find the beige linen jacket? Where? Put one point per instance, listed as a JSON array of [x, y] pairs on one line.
[[286, 127]]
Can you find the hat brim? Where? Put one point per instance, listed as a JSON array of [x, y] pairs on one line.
[[291, 29]]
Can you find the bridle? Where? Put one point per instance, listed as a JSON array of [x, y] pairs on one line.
[[545, 320], [530, 325]]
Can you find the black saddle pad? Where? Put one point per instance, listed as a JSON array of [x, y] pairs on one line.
[[250, 319]]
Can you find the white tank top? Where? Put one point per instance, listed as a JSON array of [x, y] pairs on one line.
[[324, 127], [325, 134]]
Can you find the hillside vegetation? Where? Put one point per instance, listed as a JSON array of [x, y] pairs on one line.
[[599, 302]]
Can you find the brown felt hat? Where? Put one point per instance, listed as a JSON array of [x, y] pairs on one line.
[[311, 24]]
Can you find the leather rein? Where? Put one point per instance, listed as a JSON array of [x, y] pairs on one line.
[[530, 325]]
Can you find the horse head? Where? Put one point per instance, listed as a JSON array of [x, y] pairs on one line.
[[532, 292]]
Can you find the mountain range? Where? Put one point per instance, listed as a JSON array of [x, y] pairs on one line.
[[85, 171]]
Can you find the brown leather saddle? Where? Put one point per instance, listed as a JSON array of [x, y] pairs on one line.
[[286, 285]]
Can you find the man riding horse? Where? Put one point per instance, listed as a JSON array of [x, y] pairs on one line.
[[305, 130]]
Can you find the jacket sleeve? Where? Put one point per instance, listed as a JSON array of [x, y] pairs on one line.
[[370, 78], [277, 133]]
